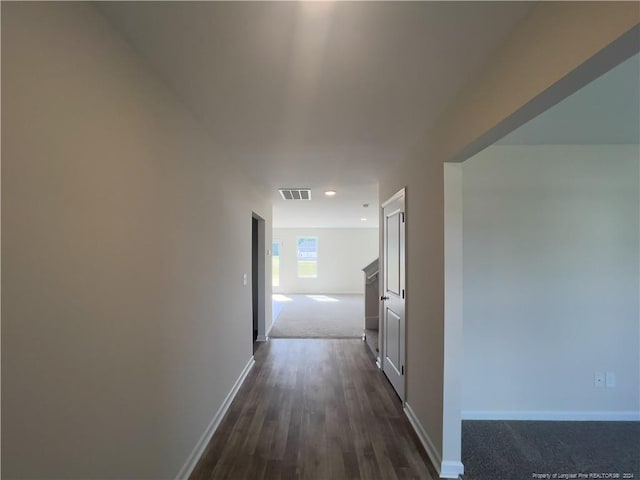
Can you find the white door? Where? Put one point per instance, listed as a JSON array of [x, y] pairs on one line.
[[393, 292]]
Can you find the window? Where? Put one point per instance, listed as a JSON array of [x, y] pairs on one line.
[[307, 254], [275, 264]]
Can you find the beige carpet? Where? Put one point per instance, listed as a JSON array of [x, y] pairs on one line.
[[318, 316]]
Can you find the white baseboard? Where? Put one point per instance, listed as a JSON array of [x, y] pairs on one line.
[[451, 469], [196, 453], [265, 337], [433, 454], [552, 416]]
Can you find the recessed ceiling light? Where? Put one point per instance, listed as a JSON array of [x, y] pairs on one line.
[[330, 193], [363, 219]]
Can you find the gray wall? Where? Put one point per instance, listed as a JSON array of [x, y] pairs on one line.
[[551, 281], [125, 322]]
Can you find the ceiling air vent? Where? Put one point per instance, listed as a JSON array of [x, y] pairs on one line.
[[295, 193]]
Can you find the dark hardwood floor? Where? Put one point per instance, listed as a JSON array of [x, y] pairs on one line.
[[315, 409]]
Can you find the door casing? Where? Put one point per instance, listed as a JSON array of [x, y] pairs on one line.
[[258, 279], [393, 295]]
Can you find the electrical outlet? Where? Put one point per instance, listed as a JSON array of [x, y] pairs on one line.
[[244, 278], [598, 379], [610, 379]]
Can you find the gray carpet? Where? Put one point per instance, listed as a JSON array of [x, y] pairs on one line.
[[516, 450], [319, 316]]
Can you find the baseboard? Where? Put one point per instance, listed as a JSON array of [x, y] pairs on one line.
[[553, 416], [433, 454], [265, 337], [196, 453], [451, 469]]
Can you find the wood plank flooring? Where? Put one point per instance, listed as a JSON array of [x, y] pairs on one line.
[[314, 409]]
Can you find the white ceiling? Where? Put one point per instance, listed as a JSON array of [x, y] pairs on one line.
[[345, 210], [316, 94], [606, 111]]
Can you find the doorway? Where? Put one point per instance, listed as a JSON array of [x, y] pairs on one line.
[[393, 292], [258, 278], [526, 265]]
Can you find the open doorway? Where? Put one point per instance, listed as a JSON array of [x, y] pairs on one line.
[[321, 245], [548, 289], [320, 288], [258, 278]]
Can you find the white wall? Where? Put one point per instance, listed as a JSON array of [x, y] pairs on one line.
[[453, 316], [342, 254], [551, 281], [125, 237]]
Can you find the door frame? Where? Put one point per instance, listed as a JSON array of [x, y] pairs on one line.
[[400, 194], [259, 283]]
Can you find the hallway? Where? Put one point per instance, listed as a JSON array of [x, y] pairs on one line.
[[316, 409]]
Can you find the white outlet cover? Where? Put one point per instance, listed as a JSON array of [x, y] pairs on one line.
[[610, 379], [598, 379], [244, 279]]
